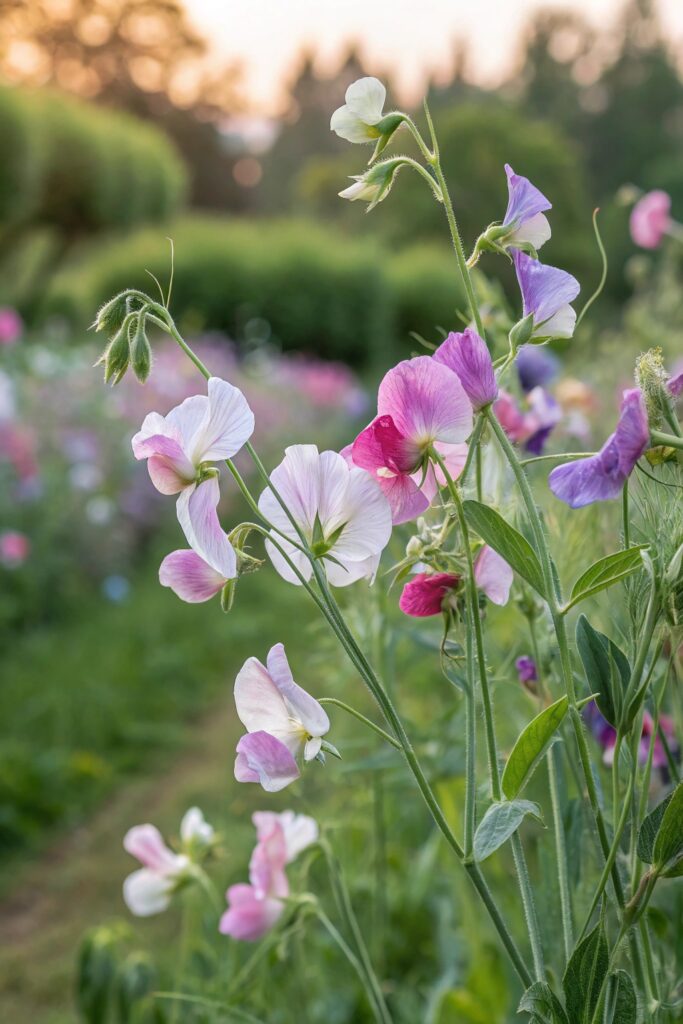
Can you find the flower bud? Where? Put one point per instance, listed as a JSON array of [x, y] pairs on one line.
[[112, 314], [116, 356], [652, 379], [375, 184], [521, 332], [140, 349], [228, 595]]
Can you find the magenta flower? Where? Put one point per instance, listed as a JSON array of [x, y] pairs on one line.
[[148, 890], [339, 508], [468, 356], [11, 326], [421, 403], [525, 212], [546, 293], [651, 219], [14, 548], [531, 426], [283, 722], [428, 593], [493, 575], [190, 577], [602, 476], [179, 447], [254, 908]]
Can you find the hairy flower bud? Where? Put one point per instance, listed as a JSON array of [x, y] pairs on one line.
[[140, 349], [112, 314], [375, 184], [116, 356], [652, 379]]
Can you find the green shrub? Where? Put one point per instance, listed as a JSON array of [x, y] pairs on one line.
[[22, 164]]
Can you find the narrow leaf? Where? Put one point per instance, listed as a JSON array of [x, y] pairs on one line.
[[530, 747], [508, 542], [606, 667], [498, 824], [668, 846], [605, 572], [585, 974], [649, 829]]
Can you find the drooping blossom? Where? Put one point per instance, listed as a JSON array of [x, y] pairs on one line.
[[190, 577], [11, 326], [493, 575], [536, 367], [178, 447], [254, 908], [421, 403], [428, 593], [357, 119], [14, 548], [468, 356], [546, 293], [149, 890], [602, 476], [283, 722], [339, 508], [651, 219], [525, 212]]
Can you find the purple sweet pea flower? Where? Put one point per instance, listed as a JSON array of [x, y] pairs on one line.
[[602, 476], [468, 356], [526, 669], [546, 293], [675, 385], [525, 212], [536, 367], [545, 411]]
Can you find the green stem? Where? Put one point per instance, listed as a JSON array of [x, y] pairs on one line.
[[669, 440], [470, 748], [380, 1011], [361, 718], [557, 457], [625, 517]]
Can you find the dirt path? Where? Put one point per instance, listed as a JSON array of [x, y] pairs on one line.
[[77, 883]]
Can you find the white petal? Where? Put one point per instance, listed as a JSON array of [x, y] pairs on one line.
[[297, 480], [281, 565], [300, 832], [188, 419], [312, 748], [195, 828], [196, 509], [350, 572], [261, 706], [146, 893], [367, 515], [350, 127], [535, 231], [228, 426], [561, 325], [300, 705], [365, 98]]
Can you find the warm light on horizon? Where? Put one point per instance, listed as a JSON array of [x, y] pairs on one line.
[[414, 43]]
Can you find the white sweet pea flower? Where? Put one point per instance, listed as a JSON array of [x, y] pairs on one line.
[[148, 890], [195, 830], [357, 120]]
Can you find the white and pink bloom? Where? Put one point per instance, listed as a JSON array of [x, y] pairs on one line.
[[254, 908], [283, 722], [493, 575], [180, 448], [340, 510], [651, 219], [525, 214], [430, 593], [190, 577], [547, 294], [421, 404]]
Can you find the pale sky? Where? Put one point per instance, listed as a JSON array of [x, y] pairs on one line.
[[413, 38]]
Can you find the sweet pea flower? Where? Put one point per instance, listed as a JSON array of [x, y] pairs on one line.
[[651, 219], [421, 403], [675, 385], [493, 575], [468, 356], [527, 672], [148, 890], [195, 831], [606, 736], [544, 414], [254, 908], [11, 326], [428, 593], [546, 293], [535, 366], [283, 722], [602, 476], [375, 184], [14, 549], [339, 508], [525, 212], [358, 118], [201, 430], [190, 577]]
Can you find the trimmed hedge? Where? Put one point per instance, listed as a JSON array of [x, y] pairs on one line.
[[302, 286], [83, 169]]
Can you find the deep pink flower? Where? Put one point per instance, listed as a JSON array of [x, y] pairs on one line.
[[14, 548], [11, 326], [421, 403], [468, 356], [426, 593], [651, 219]]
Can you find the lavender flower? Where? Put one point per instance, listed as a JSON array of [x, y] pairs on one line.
[[546, 293], [468, 356], [524, 214]]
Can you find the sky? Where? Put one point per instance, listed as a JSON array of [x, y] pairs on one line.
[[412, 38]]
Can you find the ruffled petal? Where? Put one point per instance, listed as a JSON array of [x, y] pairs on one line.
[[525, 201], [146, 843], [260, 705], [423, 595], [249, 918], [300, 704], [190, 577], [264, 759], [467, 355], [426, 401], [228, 425], [382, 448], [196, 508], [299, 830], [366, 515], [545, 290], [146, 893], [366, 98]]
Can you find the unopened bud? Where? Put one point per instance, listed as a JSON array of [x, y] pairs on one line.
[[521, 332], [228, 595], [386, 127], [112, 314], [140, 351], [652, 379], [116, 356]]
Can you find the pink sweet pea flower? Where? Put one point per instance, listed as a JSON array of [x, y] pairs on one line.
[[14, 549], [148, 891], [203, 429], [421, 403], [11, 326], [340, 509], [651, 219], [427, 593], [255, 908], [190, 577], [283, 722], [493, 575]]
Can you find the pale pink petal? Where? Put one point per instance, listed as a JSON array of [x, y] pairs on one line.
[[261, 706], [194, 828], [196, 508], [168, 465], [249, 918], [350, 572], [190, 577], [455, 457], [426, 401], [366, 513], [297, 480], [493, 575], [263, 758], [146, 893], [187, 420], [267, 864], [146, 843], [405, 498], [334, 482], [300, 704], [229, 425]]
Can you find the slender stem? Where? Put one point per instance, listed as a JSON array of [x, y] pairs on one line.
[[470, 748], [556, 457], [361, 718], [669, 440], [626, 521], [382, 1017], [529, 906]]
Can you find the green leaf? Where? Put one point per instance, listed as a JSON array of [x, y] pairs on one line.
[[508, 542], [540, 1001], [605, 572], [649, 829], [606, 666], [668, 846], [530, 747], [498, 824], [584, 976], [624, 1002]]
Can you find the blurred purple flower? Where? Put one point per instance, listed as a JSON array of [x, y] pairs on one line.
[[535, 367]]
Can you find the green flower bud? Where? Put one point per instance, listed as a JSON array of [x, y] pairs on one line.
[[140, 349], [228, 595], [651, 378], [112, 314], [521, 332], [116, 356], [375, 184]]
